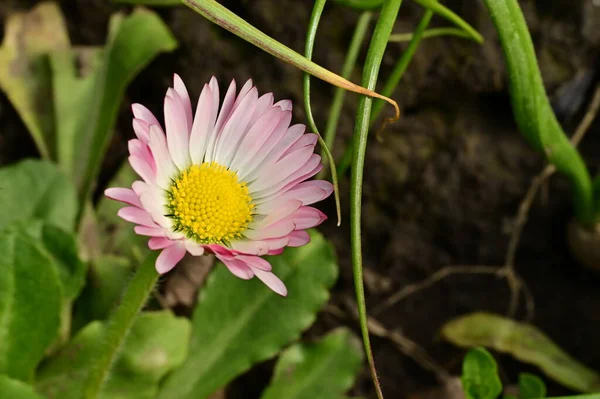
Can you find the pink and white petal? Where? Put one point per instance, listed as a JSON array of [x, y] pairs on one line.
[[307, 192], [278, 229], [243, 92], [276, 214], [155, 243], [281, 170], [179, 87], [142, 168], [278, 251], [139, 149], [264, 103], [306, 140], [238, 268], [169, 257], [271, 281], [262, 148], [224, 114], [285, 105], [165, 168], [194, 248], [156, 209], [140, 129], [214, 88], [150, 231], [270, 154], [178, 134], [311, 168], [260, 132], [255, 262], [307, 217], [253, 247], [143, 113], [298, 238], [125, 195], [204, 122], [235, 129], [136, 215]]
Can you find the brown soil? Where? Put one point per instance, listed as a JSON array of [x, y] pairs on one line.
[[442, 188]]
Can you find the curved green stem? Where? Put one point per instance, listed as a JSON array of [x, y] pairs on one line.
[[379, 42], [136, 294], [407, 37], [340, 94], [310, 43]]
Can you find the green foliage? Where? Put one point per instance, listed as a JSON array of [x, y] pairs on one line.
[[132, 43], [531, 106], [321, 370], [157, 344], [361, 4], [30, 304], [15, 389], [35, 189], [531, 387], [524, 342], [239, 323], [480, 375]]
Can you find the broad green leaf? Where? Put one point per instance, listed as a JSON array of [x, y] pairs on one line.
[[118, 236], [526, 343], [15, 389], [133, 42], [157, 344], [239, 323], [531, 387], [531, 106], [321, 370], [24, 70], [480, 375], [33, 189], [30, 304], [106, 281]]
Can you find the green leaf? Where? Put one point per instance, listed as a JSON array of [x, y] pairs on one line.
[[24, 70], [133, 42], [118, 235], [157, 344], [531, 387], [15, 389], [531, 106], [526, 343], [30, 304], [445, 12], [239, 323], [106, 281], [480, 375], [325, 369], [34, 189]]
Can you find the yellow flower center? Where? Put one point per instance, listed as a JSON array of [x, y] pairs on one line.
[[209, 204]]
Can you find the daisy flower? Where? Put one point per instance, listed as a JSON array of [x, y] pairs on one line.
[[229, 180]]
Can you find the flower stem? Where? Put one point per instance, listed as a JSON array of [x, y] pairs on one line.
[[135, 296]]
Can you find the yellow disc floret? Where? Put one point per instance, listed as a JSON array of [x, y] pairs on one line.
[[209, 204]]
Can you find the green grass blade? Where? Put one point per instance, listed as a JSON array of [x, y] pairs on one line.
[[310, 43], [435, 32], [361, 4], [377, 47], [445, 12], [216, 13], [533, 113], [340, 94]]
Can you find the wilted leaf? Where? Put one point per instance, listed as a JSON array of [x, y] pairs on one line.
[[15, 389], [33, 189], [157, 343], [239, 323], [480, 375], [526, 343], [321, 370], [30, 304], [24, 69]]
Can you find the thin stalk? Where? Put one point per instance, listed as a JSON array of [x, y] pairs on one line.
[[340, 94], [310, 43], [136, 294], [381, 35], [434, 32]]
